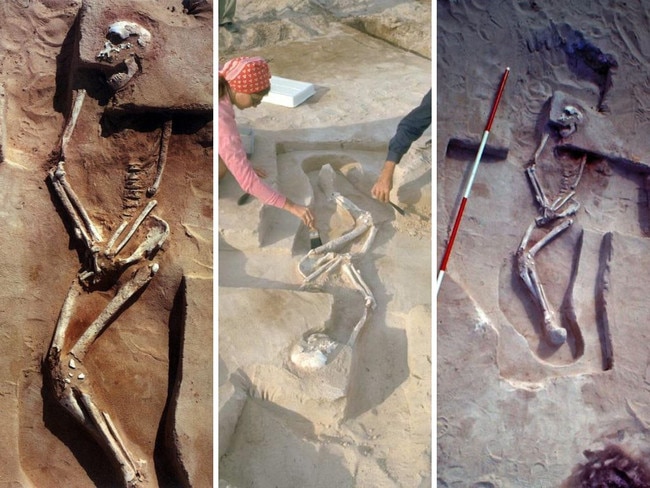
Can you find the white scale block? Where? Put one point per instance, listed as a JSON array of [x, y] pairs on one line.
[[288, 93]]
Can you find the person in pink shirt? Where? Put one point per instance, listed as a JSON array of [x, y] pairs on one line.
[[243, 82]]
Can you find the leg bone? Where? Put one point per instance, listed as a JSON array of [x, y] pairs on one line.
[[369, 240], [142, 276], [324, 269], [554, 334], [336, 244], [549, 237], [355, 277], [370, 303], [363, 222], [348, 205], [105, 431], [357, 328], [528, 273], [65, 316]]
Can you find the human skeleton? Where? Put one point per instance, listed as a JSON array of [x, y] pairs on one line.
[[556, 213], [338, 253], [102, 266]]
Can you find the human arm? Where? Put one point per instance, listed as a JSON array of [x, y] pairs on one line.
[[384, 184], [410, 128], [303, 213], [233, 155]]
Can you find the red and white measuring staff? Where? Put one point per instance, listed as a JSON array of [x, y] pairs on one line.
[[470, 181]]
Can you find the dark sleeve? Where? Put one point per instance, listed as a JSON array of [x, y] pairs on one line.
[[409, 129]]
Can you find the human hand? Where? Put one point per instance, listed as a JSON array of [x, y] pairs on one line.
[[303, 213], [381, 189], [384, 184]]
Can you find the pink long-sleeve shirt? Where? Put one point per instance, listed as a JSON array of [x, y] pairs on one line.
[[231, 150]]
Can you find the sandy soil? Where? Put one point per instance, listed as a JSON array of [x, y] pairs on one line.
[[364, 418], [514, 410]]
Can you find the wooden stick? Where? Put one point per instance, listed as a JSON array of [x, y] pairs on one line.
[[468, 187]]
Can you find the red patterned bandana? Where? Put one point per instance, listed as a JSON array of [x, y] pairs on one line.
[[247, 75]]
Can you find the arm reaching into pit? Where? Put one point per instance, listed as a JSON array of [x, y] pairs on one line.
[[410, 128]]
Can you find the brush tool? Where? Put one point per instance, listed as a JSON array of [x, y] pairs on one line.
[[314, 239], [244, 199]]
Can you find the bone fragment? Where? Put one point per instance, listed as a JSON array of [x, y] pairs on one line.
[[70, 403], [348, 205], [85, 275], [103, 432], [323, 269], [561, 200], [106, 54], [119, 80], [369, 240], [548, 237], [326, 177], [528, 273], [540, 148], [114, 237], [357, 328], [65, 316], [540, 196], [155, 239], [94, 233], [162, 157], [136, 224], [358, 281], [142, 276], [77, 102], [79, 227], [123, 29], [583, 162], [363, 221], [339, 242], [125, 452]]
